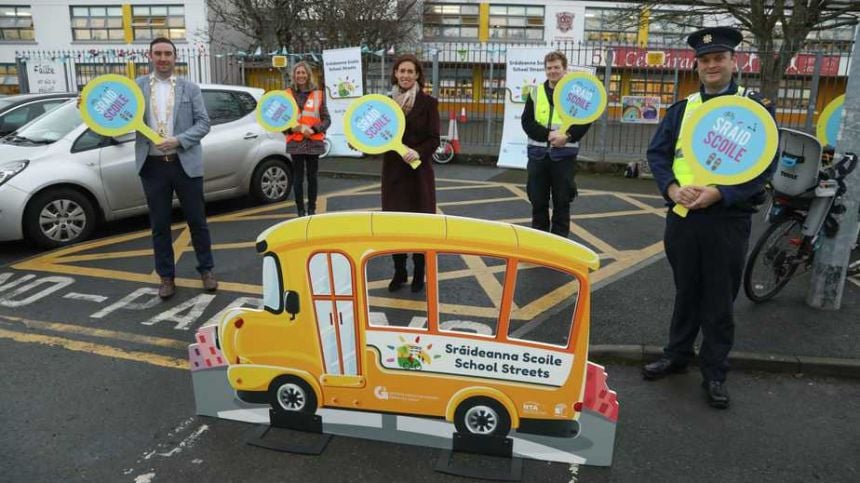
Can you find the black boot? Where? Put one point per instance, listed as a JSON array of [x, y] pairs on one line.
[[400, 275], [718, 395], [417, 272], [662, 368], [300, 210]]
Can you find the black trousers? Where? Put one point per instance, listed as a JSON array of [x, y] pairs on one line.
[[548, 179], [160, 180], [300, 163], [707, 255]]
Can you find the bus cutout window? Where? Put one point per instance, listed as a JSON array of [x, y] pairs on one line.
[[544, 304], [470, 293], [401, 308], [272, 299]]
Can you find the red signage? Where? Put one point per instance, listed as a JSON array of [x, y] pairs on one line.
[[682, 59]]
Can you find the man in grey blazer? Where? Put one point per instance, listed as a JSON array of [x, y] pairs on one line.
[[175, 110]]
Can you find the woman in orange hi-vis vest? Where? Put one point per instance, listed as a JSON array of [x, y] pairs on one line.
[[306, 142]]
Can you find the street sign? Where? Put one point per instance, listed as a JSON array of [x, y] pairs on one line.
[[728, 140], [277, 111], [112, 105], [580, 98], [827, 129], [374, 124]]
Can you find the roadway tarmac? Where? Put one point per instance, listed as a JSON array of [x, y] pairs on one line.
[[96, 386]]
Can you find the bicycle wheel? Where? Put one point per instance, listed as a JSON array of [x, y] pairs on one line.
[[774, 259], [444, 153]]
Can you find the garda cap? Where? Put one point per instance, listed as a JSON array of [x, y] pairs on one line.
[[714, 39]]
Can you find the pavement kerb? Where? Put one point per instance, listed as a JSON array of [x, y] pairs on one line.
[[637, 354]]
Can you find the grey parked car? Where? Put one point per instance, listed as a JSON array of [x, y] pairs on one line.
[[15, 111], [58, 179]]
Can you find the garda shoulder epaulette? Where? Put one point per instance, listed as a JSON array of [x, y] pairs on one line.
[[754, 95]]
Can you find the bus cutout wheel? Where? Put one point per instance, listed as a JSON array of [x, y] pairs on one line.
[[482, 416], [291, 395]]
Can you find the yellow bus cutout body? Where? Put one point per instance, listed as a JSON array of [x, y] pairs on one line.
[[330, 336]]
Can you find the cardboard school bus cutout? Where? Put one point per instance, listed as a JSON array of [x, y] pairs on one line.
[[494, 346]]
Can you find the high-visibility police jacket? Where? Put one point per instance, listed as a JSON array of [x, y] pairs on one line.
[[538, 118], [310, 116]]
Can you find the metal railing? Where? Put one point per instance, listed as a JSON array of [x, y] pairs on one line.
[[469, 79]]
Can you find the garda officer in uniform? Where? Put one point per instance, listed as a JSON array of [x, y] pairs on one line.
[[551, 153], [706, 250]]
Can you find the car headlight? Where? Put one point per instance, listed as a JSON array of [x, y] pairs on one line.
[[8, 170]]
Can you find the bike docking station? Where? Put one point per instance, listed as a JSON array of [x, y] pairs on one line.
[[332, 352]]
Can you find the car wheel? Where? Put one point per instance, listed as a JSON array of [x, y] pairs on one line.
[[290, 394], [482, 416], [272, 181], [59, 217]]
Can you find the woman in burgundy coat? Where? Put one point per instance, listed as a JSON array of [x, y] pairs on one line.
[[404, 188]]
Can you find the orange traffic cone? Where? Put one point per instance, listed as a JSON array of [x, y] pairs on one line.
[[463, 114], [455, 139], [453, 134]]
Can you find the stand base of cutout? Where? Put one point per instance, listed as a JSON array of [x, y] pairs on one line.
[[310, 424]]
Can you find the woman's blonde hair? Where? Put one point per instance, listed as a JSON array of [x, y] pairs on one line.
[[312, 83]]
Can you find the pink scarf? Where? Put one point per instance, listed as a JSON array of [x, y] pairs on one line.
[[406, 98]]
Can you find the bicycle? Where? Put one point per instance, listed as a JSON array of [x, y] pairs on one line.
[[445, 152], [804, 193]]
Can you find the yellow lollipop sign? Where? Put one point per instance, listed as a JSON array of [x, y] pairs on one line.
[[374, 124], [112, 105], [827, 129], [579, 98], [277, 111], [728, 140]]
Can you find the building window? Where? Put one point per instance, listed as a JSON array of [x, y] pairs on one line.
[[665, 30], [9, 79], [85, 72], [97, 23], [660, 85], [450, 20], [180, 69], [610, 25], [158, 21], [16, 23], [836, 38], [455, 83], [516, 23]]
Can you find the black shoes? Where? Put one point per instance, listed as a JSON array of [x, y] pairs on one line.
[[399, 279], [718, 395], [418, 278], [662, 368]]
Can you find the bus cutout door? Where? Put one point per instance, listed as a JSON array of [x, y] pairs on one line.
[[334, 301]]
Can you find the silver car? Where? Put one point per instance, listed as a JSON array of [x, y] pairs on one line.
[[58, 179]]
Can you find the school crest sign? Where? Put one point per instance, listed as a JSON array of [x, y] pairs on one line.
[[564, 21]]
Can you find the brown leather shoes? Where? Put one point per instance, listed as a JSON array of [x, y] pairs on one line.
[[167, 288], [209, 282]]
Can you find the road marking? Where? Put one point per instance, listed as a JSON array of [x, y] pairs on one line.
[[100, 333], [98, 349], [482, 201], [85, 296], [62, 261]]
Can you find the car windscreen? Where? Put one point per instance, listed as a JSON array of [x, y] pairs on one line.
[[50, 127]]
